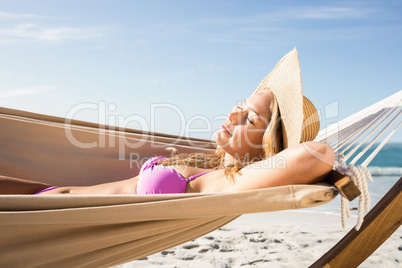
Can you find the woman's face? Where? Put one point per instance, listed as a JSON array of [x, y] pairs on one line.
[[241, 134]]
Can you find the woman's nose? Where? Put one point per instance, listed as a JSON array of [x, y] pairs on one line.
[[235, 117]]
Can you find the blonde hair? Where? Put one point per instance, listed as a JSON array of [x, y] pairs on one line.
[[271, 144], [272, 139]]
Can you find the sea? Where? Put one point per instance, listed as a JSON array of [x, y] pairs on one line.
[[385, 169]]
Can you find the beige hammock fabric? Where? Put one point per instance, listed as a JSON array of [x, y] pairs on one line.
[[101, 231]]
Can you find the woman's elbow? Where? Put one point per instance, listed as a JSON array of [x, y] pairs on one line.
[[321, 159]]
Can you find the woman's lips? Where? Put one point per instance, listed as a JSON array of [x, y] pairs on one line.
[[225, 128]]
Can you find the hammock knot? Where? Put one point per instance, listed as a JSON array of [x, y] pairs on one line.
[[358, 174]]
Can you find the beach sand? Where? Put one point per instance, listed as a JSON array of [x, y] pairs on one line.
[[275, 239]]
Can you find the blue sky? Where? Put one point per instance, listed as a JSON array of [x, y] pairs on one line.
[[125, 62]]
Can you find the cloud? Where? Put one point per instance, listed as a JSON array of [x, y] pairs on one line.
[[34, 33], [7, 92], [18, 16], [321, 12], [24, 28], [286, 24], [271, 20], [261, 28]]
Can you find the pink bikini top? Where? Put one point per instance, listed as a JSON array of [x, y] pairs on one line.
[[159, 179]]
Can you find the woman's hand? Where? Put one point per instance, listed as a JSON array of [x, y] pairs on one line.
[[10, 185]]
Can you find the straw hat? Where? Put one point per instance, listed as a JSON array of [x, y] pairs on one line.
[[300, 119]]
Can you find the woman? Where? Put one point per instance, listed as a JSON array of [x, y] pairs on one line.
[[258, 147]]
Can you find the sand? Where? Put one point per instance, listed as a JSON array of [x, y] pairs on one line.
[[276, 239]]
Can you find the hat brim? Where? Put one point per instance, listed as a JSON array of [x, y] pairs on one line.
[[285, 83]]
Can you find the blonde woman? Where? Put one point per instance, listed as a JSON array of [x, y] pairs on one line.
[[258, 147]]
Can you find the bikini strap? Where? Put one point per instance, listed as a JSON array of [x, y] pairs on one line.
[[197, 175]]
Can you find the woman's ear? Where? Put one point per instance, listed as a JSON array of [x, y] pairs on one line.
[[262, 155]]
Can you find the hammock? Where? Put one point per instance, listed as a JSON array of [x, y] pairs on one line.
[[101, 231], [350, 134]]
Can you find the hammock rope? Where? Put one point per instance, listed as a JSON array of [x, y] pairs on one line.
[[375, 139], [357, 135], [379, 147], [348, 136], [358, 174]]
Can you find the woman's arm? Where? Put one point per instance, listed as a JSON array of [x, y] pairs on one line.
[[128, 186], [306, 163], [10, 185]]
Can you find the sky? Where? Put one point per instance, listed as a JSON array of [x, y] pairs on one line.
[[179, 67]]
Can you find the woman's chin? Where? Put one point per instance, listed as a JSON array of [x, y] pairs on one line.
[[220, 139]]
